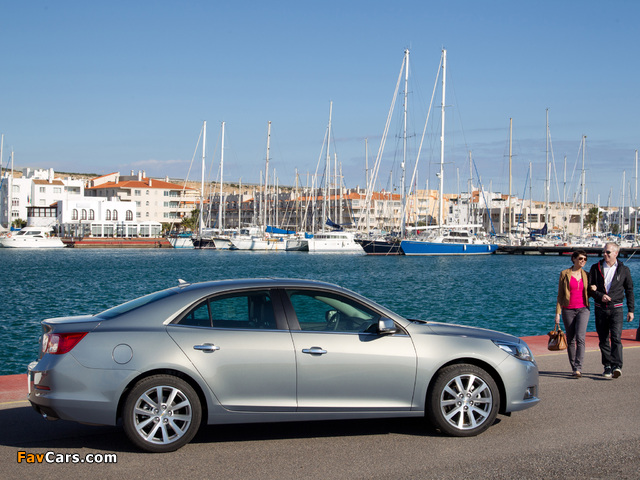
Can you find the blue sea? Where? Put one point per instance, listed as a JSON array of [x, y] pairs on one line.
[[512, 293]]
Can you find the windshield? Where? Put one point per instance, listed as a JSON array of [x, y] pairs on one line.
[[137, 303]]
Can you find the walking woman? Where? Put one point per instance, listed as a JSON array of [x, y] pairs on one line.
[[573, 304]]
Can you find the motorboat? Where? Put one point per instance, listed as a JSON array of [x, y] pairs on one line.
[[32, 237], [334, 242]]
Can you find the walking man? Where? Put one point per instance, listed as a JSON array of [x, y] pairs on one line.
[[610, 281]]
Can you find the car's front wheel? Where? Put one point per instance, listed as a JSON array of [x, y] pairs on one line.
[[463, 401], [162, 413]]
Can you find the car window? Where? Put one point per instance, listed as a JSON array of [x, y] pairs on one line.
[[198, 317], [137, 303], [322, 311], [249, 310]]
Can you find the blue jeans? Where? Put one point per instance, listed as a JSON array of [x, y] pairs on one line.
[[609, 327], [575, 324]]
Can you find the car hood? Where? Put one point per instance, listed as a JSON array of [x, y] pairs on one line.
[[450, 330]]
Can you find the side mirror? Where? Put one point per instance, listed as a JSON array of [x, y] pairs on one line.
[[386, 326]]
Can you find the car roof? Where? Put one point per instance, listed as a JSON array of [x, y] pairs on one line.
[[241, 283]]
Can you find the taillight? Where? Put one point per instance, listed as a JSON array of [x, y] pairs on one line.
[[59, 343]]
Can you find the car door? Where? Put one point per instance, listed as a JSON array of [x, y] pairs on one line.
[[242, 348], [342, 362]]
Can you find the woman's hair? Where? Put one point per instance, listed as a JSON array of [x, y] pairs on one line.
[[577, 253]]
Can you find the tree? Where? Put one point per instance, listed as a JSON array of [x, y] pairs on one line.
[[191, 222], [19, 223], [592, 217]]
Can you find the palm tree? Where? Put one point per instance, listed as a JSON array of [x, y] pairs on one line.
[[593, 217], [191, 222]]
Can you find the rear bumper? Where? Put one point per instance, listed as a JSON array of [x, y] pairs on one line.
[[73, 392]]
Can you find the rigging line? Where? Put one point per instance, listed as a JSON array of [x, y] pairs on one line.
[[184, 186], [374, 174], [524, 193], [575, 166], [424, 130], [555, 171], [486, 205]]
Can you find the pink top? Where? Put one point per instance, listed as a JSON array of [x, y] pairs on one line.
[[576, 299]]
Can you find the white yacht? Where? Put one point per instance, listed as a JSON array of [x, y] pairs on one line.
[[31, 237], [334, 242]]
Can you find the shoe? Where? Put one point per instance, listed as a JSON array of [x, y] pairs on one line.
[[607, 372], [617, 372], [577, 374]]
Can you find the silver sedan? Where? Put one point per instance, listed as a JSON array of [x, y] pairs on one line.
[[271, 350]]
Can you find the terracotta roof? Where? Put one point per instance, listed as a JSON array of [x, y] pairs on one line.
[[144, 183], [103, 176], [46, 182]]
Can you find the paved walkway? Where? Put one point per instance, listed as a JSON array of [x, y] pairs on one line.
[[538, 344], [13, 388]]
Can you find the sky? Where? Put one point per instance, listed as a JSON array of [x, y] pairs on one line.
[[101, 87]]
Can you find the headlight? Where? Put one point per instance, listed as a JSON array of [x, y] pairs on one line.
[[518, 350]]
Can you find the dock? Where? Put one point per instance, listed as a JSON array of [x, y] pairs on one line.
[[559, 250]]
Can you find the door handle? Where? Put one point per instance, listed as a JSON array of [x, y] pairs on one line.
[[207, 347], [314, 351]]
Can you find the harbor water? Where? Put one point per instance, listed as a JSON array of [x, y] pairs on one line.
[[511, 293]]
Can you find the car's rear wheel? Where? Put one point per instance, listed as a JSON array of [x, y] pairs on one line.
[[162, 413], [463, 401]]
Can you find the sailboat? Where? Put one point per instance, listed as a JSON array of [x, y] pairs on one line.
[[186, 240], [217, 238], [265, 237], [450, 241], [336, 240], [389, 245]]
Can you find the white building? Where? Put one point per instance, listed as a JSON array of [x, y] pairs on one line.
[[155, 200], [36, 188]]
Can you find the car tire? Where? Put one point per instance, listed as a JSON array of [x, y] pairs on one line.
[[463, 401], [161, 413]]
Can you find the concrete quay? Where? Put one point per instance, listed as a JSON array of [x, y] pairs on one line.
[[559, 250]]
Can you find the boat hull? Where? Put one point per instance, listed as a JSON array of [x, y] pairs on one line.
[[204, 244], [416, 247], [13, 242], [380, 247], [259, 244], [181, 242]]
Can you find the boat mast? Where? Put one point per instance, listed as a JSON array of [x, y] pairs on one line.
[[404, 144], [444, 75], [547, 173], [336, 207], [635, 202], [201, 216], [530, 192], [584, 146], [222, 204], [366, 175], [470, 217], [327, 172], [621, 221], [265, 219], [510, 156]]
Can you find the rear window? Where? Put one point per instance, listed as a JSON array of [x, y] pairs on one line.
[[137, 303]]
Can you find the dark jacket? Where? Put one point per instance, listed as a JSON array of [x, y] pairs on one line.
[[621, 286]]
